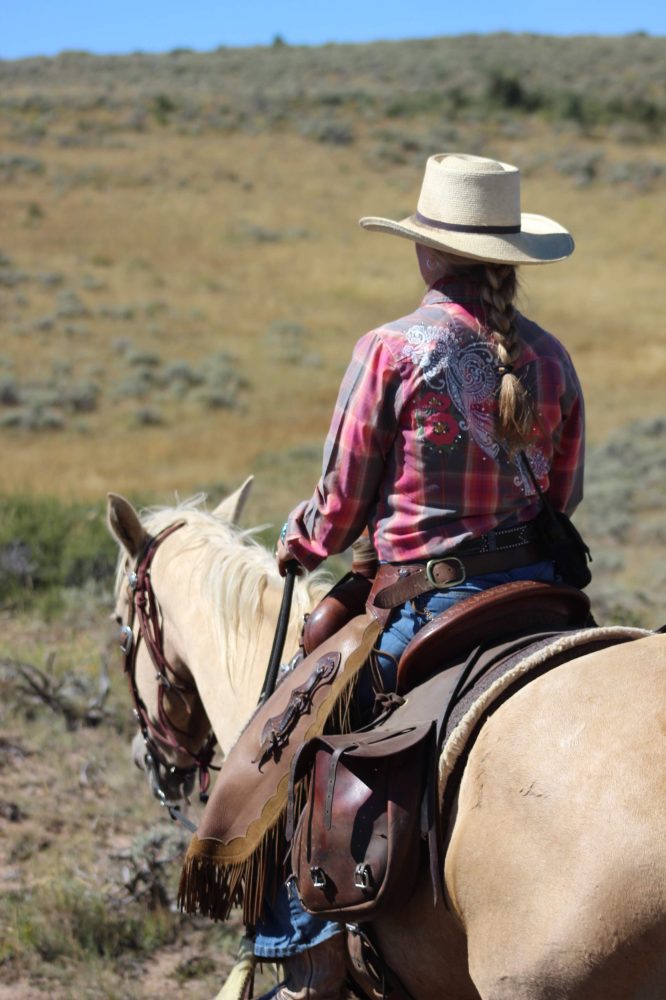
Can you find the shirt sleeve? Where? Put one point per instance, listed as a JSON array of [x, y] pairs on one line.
[[359, 440], [565, 489]]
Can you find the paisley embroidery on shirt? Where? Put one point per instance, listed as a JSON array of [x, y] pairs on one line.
[[454, 360], [436, 427], [540, 468], [461, 364]]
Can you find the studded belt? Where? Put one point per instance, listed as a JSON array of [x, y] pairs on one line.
[[397, 583]]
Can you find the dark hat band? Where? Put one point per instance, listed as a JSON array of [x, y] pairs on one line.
[[457, 228]]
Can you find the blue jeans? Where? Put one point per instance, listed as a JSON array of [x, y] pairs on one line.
[[286, 929]]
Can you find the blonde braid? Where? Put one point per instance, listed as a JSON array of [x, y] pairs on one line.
[[516, 412]]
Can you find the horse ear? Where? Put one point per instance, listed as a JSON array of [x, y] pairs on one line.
[[125, 524], [231, 508]]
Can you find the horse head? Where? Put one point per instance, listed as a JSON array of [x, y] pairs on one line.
[[196, 602]]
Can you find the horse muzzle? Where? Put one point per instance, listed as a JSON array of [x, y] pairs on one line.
[[168, 782]]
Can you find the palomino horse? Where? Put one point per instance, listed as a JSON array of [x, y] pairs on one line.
[[555, 867]]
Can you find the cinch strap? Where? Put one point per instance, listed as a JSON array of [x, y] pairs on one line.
[[456, 228]]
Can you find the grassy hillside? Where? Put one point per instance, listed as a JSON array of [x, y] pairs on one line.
[[182, 279]]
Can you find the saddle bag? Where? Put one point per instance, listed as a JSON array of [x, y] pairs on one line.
[[356, 847]]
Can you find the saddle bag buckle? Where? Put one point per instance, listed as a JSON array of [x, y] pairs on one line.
[[363, 876], [318, 876]]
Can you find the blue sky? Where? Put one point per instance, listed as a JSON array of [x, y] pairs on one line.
[[46, 27]]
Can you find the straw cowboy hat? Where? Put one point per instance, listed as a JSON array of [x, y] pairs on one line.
[[470, 206]]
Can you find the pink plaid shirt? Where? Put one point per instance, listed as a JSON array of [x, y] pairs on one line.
[[412, 451]]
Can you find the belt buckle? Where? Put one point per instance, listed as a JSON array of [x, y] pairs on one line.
[[430, 565]]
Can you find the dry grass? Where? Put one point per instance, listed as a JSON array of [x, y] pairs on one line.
[[185, 246]]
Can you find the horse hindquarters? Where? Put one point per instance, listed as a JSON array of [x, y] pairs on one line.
[[557, 857]]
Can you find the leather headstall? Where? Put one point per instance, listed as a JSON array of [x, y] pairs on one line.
[[162, 732]]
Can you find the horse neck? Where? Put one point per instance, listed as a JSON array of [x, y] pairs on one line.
[[228, 675]]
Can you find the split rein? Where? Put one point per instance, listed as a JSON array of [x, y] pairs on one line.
[[162, 733], [145, 610]]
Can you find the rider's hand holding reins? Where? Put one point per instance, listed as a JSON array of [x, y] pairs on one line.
[[286, 560]]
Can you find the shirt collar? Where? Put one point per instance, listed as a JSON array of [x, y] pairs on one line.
[[463, 288]]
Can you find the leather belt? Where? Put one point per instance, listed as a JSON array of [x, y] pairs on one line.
[[395, 584]]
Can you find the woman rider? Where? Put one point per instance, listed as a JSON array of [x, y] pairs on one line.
[[426, 447]]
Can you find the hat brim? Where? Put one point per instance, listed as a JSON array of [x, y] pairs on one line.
[[540, 240]]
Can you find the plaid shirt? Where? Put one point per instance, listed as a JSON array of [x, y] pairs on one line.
[[412, 451]]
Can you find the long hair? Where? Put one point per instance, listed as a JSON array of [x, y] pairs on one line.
[[516, 413]]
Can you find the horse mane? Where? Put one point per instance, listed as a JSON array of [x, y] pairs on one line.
[[232, 571]]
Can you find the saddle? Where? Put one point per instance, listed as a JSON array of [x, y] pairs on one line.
[[374, 798], [524, 607]]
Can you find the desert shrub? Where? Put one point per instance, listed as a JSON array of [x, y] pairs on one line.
[[507, 90], [221, 395], [34, 417], [80, 397], [10, 421], [34, 214], [287, 342], [642, 176], [163, 106], [583, 167], [121, 313], [179, 378], [334, 133], [76, 330], [121, 345], [92, 283], [13, 165], [33, 406], [10, 278], [156, 308], [49, 279], [150, 864], [264, 234], [70, 306], [46, 544], [223, 382], [181, 373], [68, 919], [138, 385], [10, 393], [144, 359], [148, 416], [289, 332], [43, 324]]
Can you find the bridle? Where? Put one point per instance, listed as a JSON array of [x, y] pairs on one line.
[[162, 732]]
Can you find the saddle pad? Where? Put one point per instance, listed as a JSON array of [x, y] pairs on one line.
[[543, 655], [459, 708]]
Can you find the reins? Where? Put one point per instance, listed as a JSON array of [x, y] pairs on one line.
[[277, 648]]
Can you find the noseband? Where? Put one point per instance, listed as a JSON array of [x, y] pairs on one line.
[[161, 733]]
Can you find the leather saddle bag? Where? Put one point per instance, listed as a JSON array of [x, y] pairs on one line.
[[356, 846]]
